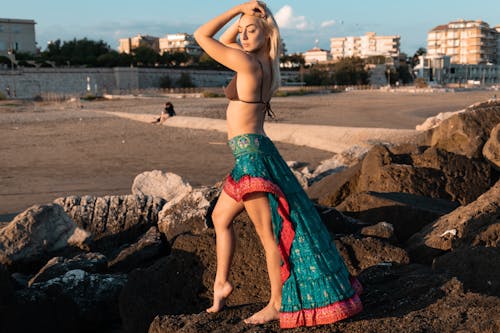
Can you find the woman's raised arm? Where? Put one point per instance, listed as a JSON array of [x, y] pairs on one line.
[[230, 57]]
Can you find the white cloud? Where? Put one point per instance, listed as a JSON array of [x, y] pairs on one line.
[[286, 19], [326, 24]]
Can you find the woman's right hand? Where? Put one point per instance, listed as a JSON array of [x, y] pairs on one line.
[[254, 8]]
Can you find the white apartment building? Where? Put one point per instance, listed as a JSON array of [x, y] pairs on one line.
[[365, 46], [17, 35], [181, 42], [466, 42], [316, 55]]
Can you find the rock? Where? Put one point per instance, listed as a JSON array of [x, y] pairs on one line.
[[113, 220], [6, 291], [57, 266], [147, 248], [361, 253], [171, 285], [415, 170], [190, 214], [477, 268], [338, 223], [381, 230], [95, 297], [158, 184], [491, 150], [397, 298], [470, 225], [465, 133], [408, 213], [33, 235]]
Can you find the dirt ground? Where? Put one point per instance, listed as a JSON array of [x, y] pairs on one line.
[[58, 149]]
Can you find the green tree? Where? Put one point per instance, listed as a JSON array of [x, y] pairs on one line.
[[145, 56], [419, 52], [318, 76], [350, 71]]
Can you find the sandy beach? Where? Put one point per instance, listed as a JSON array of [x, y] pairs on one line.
[[49, 150]]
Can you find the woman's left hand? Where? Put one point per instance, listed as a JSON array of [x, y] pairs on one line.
[[254, 8]]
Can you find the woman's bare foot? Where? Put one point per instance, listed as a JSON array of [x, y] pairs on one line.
[[267, 314], [221, 293]]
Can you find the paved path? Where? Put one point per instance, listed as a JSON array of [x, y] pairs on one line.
[[330, 138]]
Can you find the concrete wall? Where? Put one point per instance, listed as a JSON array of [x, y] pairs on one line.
[[29, 82]]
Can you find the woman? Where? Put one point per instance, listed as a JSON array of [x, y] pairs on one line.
[[309, 282]]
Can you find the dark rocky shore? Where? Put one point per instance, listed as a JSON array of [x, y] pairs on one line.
[[417, 223]]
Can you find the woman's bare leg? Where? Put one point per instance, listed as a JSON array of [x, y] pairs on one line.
[[259, 211], [223, 215]]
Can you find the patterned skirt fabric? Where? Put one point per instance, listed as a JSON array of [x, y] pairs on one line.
[[316, 286]]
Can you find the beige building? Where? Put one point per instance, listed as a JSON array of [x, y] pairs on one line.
[[128, 44], [17, 35], [365, 46], [466, 42], [316, 55], [181, 42]]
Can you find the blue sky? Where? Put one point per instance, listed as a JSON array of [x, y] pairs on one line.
[[301, 22]]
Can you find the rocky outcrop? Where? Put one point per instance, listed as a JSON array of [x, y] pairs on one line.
[[92, 297], [421, 171], [407, 213], [491, 149], [466, 133], [361, 253], [191, 213], [165, 185], [477, 268], [471, 225], [113, 220], [143, 252], [58, 266], [33, 235]]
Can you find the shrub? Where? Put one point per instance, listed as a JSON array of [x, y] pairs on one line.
[[2, 96]]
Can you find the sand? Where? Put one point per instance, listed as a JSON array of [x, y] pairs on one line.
[[56, 149]]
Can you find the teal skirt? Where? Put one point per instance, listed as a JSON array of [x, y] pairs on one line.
[[316, 286]]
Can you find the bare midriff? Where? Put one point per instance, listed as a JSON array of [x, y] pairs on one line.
[[243, 118]]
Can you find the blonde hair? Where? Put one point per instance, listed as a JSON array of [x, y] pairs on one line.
[[274, 47]]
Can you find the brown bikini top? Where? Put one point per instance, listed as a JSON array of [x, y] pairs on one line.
[[231, 93]]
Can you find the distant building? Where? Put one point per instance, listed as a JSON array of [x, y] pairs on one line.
[[17, 36], [128, 44], [440, 70], [316, 55], [181, 42], [365, 46], [466, 42]]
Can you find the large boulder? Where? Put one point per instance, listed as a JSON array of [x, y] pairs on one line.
[[491, 150], [471, 225], [191, 213], [113, 220], [58, 266], [408, 213], [144, 251], [93, 298], [165, 185], [36, 234], [361, 253], [171, 285], [477, 268], [423, 171], [466, 132]]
